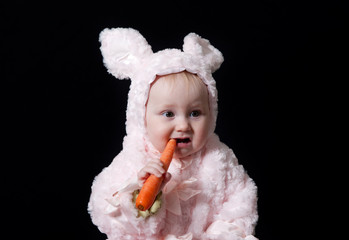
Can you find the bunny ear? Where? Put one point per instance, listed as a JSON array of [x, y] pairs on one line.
[[197, 46], [122, 50]]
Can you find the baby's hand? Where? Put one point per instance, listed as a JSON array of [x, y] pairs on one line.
[[154, 167]]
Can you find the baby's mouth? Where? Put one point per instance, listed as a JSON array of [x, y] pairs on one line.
[[183, 142]]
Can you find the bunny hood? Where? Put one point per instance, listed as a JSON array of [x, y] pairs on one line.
[[127, 55]]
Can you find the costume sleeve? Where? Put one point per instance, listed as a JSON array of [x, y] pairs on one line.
[[236, 217], [106, 210], [111, 206]]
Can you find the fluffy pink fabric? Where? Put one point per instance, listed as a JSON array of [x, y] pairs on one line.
[[209, 196]]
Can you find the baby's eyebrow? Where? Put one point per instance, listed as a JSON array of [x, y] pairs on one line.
[[197, 104], [167, 105]]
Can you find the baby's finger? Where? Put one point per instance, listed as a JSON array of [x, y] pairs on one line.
[[166, 180], [155, 170], [155, 161], [143, 174], [156, 165]]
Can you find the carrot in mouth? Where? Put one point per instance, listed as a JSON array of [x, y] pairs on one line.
[[152, 185]]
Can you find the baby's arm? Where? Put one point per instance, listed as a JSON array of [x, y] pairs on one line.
[[111, 206], [238, 215], [229, 198]]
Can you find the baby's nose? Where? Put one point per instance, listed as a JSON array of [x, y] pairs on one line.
[[183, 125]]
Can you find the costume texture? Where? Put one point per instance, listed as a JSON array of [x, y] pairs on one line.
[[209, 196]]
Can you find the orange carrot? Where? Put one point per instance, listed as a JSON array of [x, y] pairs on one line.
[[152, 185]]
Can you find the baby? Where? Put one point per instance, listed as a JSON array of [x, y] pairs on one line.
[[206, 193]]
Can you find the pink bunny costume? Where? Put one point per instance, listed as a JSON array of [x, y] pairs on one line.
[[209, 196]]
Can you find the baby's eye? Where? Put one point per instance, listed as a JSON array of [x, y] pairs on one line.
[[168, 114], [195, 113]]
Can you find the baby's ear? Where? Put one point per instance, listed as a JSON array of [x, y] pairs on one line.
[[197, 46], [122, 50]]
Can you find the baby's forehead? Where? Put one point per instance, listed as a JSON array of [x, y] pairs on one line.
[[178, 89]]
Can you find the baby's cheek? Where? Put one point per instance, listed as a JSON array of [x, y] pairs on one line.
[[159, 139], [165, 137], [201, 138]]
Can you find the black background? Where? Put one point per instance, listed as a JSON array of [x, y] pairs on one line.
[[63, 114]]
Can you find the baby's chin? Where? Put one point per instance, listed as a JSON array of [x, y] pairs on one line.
[[183, 155]]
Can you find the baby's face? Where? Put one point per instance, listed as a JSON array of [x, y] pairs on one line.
[[174, 111]]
